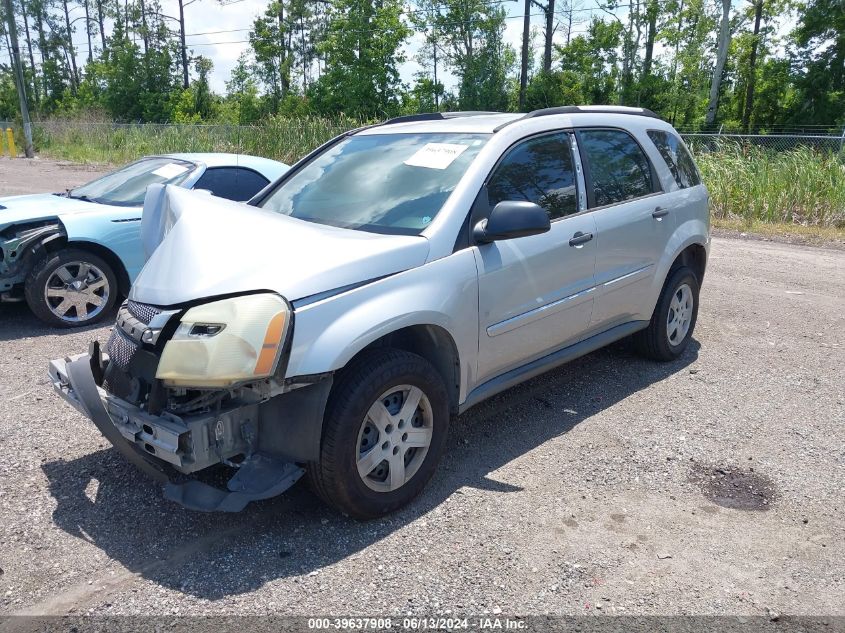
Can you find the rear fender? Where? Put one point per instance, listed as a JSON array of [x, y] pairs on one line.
[[694, 231]]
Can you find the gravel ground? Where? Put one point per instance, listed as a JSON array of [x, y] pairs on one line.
[[711, 485], [20, 176]]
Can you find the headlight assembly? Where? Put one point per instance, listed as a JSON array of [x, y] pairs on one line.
[[222, 343]]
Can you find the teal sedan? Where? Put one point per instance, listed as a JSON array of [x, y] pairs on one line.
[[72, 255]]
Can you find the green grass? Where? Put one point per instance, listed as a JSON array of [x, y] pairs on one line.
[[282, 139], [781, 231], [800, 187]]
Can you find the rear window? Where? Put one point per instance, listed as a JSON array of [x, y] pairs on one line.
[[677, 158], [232, 183]]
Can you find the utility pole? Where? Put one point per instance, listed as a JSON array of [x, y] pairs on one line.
[[523, 75], [19, 82], [436, 95]]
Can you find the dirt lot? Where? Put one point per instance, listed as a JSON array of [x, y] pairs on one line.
[[20, 176], [715, 484]]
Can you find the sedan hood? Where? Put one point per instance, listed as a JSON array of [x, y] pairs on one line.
[[203, 246], [19, 209]]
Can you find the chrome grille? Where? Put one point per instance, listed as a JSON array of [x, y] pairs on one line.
[[142, 311], [120, 349]]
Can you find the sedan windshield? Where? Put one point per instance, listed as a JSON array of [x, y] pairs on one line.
[[127, 186], [383, 183]]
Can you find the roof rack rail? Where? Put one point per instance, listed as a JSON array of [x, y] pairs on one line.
[[592, 109], [582, 110], [434, 116]]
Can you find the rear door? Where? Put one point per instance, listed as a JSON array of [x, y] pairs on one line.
[[633, 221], [535, 293]]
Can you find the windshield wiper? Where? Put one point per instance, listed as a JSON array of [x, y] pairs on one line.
[[81, 197]]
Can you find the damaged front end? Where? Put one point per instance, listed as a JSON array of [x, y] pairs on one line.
[[21, 246], [200, 390]]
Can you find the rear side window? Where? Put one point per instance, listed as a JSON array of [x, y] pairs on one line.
[[538, 170], [618, 168], [232, 183], [677, 158]]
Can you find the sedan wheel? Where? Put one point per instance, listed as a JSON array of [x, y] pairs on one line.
[[77, 292], [71, 288]]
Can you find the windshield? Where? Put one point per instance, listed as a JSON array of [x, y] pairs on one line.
[[127, 186], [384, 183]]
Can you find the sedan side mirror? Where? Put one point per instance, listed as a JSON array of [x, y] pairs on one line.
[[510, 219]]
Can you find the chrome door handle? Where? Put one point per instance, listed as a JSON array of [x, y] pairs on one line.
[[659, 212], [579, 239]]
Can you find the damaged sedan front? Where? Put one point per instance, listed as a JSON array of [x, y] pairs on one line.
[[20, 245]]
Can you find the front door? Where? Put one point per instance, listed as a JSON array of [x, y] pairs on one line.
[[535, 293]]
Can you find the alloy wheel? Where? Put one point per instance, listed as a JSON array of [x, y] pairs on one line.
[[76, 292]]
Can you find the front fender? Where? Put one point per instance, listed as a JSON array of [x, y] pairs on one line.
[[330, 332], [118, 231]]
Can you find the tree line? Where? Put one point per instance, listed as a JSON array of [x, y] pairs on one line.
[[749, 65]]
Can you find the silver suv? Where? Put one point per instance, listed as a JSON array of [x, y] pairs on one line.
[[393, 278]]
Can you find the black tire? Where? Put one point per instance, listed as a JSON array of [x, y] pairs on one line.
[[357, 387], [654, 341], [36, 285]]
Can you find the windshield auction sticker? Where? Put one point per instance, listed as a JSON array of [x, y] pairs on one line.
[[171, 170], [436, 155]]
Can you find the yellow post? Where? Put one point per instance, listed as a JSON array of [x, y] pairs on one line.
[[13, 151], [2, 145]]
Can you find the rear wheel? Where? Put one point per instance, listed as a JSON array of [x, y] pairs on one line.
[[384, 432], [71, 288], [674, 317]]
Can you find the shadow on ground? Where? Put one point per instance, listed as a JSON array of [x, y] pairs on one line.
[[103, 500], [18, 322]]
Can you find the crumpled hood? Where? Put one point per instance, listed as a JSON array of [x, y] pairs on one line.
[[19, 209], [204, 246]]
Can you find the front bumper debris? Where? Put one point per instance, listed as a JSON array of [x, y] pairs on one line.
[[163, 446]]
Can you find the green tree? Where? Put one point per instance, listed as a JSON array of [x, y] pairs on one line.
[[242, 104], [271, 40], [819, 63], [471, 33], [591, 62], [362, 51]]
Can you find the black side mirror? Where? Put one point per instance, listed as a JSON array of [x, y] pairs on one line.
[[510, 219]]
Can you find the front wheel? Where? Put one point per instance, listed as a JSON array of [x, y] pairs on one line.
[[384, 432], [71, 288], [673, 321]]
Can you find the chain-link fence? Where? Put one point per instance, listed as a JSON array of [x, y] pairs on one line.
[[708, 142], [289, 139]]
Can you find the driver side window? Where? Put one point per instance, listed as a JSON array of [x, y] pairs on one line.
[[538, 170]]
